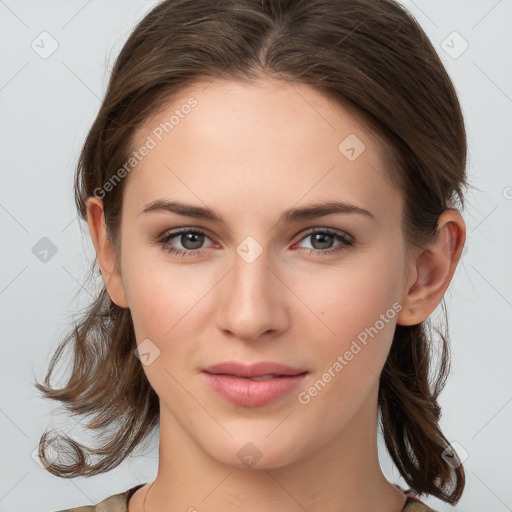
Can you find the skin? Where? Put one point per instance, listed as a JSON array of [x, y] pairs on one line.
[[249, 152]]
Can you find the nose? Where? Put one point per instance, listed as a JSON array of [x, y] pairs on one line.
[[253, 300]]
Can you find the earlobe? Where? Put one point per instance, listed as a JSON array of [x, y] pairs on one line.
[[433, 270], [105, 252]]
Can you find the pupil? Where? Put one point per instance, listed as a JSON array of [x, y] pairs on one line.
[[323, 236], [189, 238]]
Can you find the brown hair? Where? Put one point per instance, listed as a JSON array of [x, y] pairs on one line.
[[370, 56]]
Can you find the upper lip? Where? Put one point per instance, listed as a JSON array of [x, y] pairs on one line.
[[252, 370]]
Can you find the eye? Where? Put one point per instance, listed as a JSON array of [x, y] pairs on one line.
[[323, 239], [193, 239]]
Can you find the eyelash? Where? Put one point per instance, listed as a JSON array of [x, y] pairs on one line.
[[345, 242]]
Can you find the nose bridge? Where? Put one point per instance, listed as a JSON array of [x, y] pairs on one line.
[[251, 276], [252, 299]]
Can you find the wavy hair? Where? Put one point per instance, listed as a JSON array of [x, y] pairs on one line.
[[370, 56]]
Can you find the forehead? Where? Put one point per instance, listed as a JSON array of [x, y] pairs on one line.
[[252, 146]]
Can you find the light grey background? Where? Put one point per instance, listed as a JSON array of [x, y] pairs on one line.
[[48, 104]]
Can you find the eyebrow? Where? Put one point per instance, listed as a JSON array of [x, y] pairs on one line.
[[308, 212]]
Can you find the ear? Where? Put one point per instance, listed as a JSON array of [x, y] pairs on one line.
[[105, 252], [433, 269]]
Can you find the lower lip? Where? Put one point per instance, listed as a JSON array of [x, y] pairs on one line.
[[253, 393]]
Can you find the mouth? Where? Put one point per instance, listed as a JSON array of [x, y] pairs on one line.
[[261, 370], [258, 378], [253, 385]]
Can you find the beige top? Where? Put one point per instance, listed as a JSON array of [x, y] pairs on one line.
[[119, 503]]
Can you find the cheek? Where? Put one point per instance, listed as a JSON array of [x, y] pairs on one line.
[[166, 304], [159, 294], [358, 308], [161, 304], [361, 310]]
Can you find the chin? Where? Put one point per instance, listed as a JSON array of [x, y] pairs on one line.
[[259, 454]]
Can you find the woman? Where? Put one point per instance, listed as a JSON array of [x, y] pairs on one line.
[[232, 134]]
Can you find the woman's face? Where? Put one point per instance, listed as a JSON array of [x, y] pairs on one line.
[[260, 286]]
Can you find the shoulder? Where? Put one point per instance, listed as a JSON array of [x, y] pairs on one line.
[[415, 505], [115, 503]]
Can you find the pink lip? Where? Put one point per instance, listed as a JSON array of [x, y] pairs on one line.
[[231, 380]]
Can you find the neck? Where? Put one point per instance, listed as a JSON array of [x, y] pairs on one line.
[[342, 474]]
